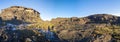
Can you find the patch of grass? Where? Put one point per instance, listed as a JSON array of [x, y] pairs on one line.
[[103, 30]]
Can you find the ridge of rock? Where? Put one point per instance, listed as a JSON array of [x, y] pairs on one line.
[[21, 14]]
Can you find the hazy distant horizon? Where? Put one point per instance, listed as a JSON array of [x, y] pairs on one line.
[[67, 8]]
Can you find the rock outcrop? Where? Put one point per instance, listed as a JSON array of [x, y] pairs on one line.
[[93, 28], [20, 15], [104, 18]]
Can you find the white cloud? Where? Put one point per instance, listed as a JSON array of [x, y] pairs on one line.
[[46, 19], [116, 14]]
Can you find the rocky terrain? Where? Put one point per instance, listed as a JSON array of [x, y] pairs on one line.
[[19, 15], [21, 24]]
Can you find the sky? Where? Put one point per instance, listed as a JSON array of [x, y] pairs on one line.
[[66, 8]]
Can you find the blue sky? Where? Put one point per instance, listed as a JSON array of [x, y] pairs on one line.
[[66, 8]]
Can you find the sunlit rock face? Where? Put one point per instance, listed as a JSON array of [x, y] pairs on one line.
[[20, 14]]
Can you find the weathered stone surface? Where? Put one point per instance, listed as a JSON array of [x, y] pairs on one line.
[[20, 13]]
